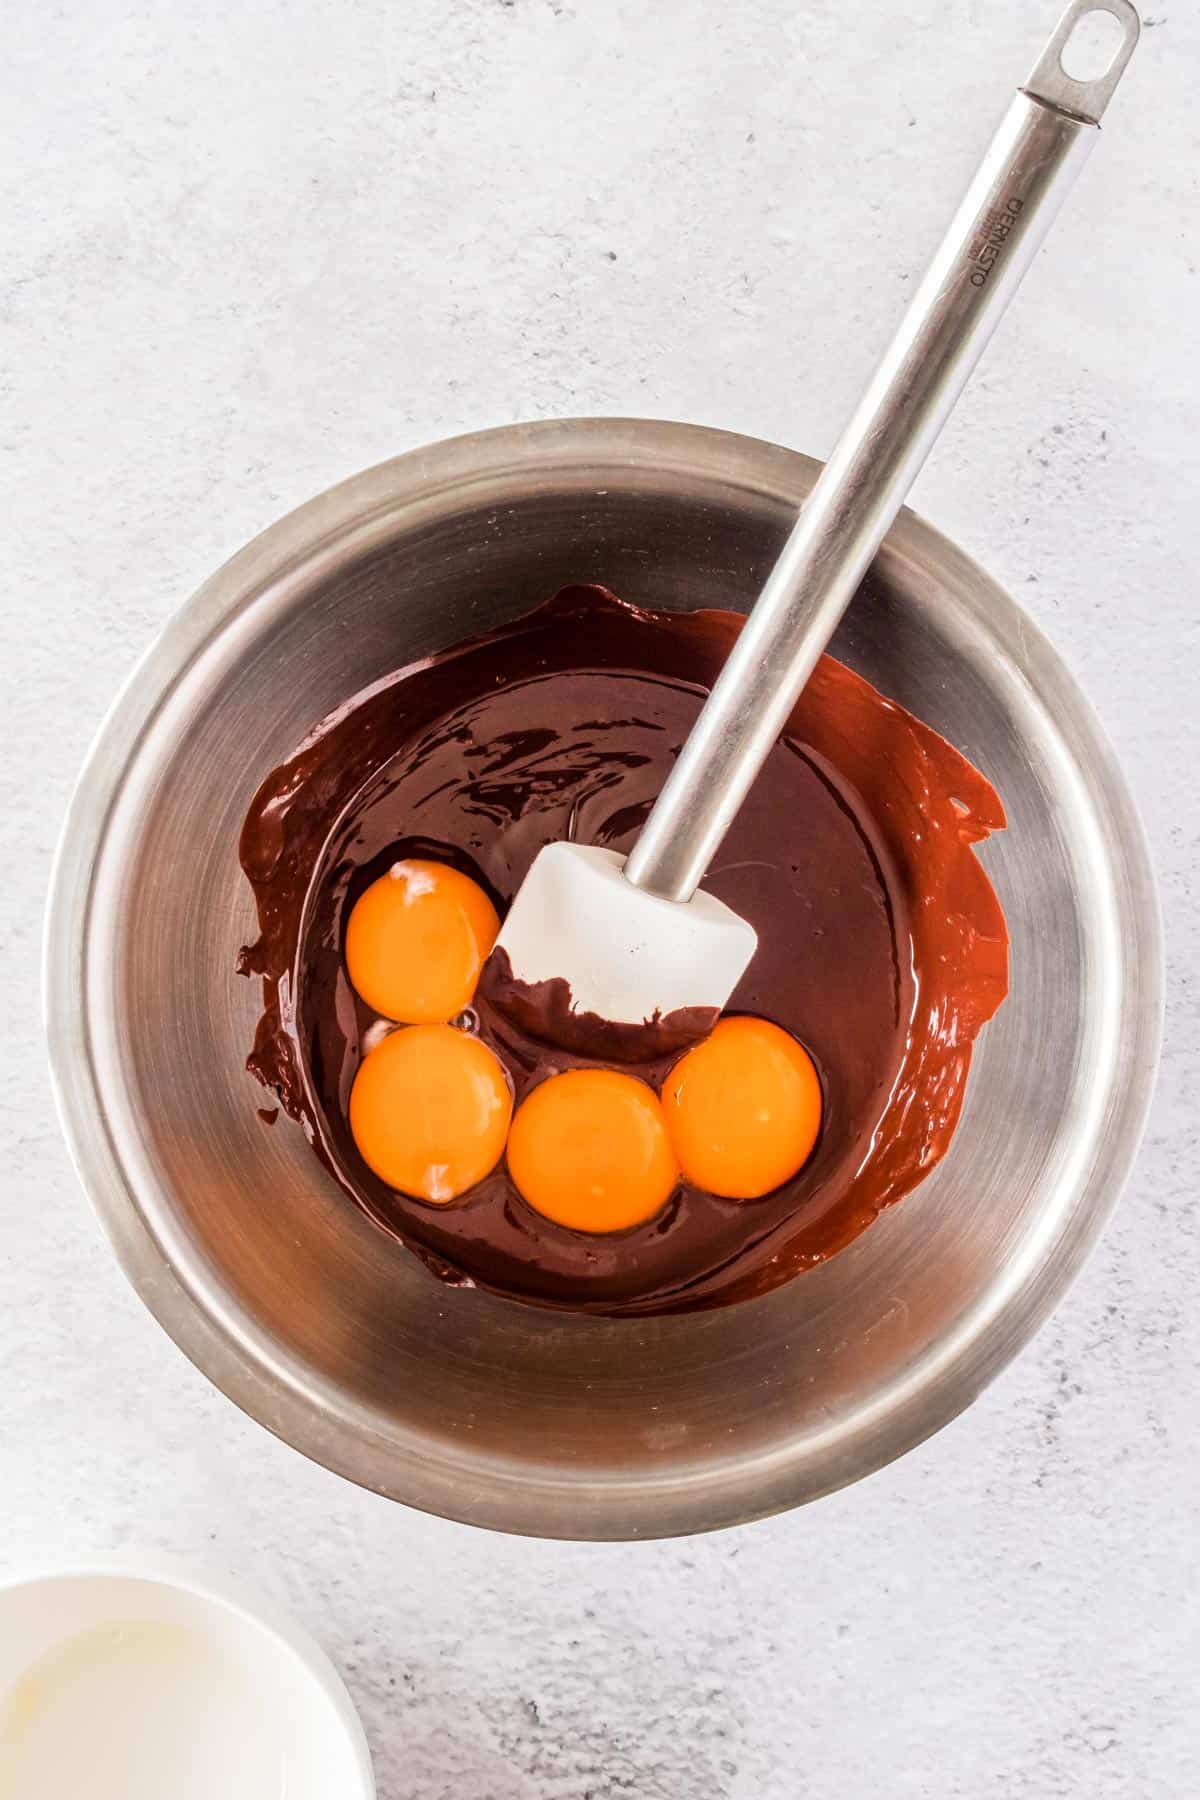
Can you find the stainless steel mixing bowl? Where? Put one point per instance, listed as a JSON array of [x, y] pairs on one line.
[[303, 1311]]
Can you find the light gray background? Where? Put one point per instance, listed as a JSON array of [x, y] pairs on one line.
[[250, 248]]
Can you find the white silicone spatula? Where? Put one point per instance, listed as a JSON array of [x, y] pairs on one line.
[[634, 938]]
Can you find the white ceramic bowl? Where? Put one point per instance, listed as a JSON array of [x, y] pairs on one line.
[[137, 1678]]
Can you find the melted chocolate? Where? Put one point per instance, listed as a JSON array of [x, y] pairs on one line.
[[544, 1010], [882, 946]]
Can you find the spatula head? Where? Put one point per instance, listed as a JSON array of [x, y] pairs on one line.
[[625, 955]]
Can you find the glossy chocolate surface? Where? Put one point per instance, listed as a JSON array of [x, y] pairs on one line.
[[882, 946]]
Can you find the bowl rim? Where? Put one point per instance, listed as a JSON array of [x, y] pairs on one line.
[[530, 1504]]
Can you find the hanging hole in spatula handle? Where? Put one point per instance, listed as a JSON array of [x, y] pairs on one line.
[[1085, 96]]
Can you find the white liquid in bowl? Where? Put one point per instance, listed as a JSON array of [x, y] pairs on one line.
[[151, 1683], [138, 1711]]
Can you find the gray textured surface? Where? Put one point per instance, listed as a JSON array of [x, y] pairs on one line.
[[249, 249]]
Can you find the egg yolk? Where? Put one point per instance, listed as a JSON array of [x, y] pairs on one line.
[[416, 941], [429, 1111], [743, 1109], [589, 1149]]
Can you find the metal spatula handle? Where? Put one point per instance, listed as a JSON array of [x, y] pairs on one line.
[[1034, 157]]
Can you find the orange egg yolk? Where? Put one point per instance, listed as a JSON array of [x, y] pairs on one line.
[[743, 1109], [429, 1111], [416, 941], [589, 1149]]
